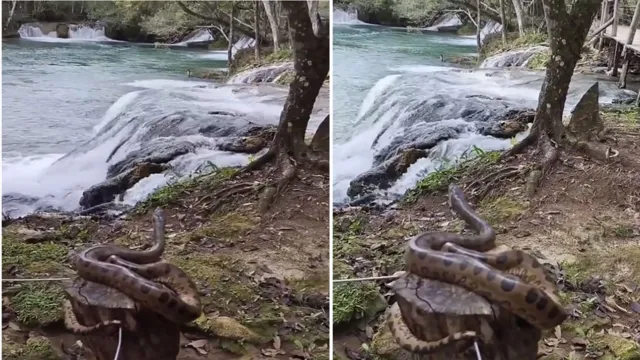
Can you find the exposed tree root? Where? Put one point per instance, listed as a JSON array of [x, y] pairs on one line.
[[480, 188]]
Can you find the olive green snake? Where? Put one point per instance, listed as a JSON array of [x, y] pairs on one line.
[[152, 283], [512, 279]]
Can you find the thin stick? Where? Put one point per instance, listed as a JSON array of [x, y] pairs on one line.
[[42, 279], [368, 279], [119, 344], [475, 346]]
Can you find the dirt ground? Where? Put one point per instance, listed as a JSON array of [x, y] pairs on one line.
[[584, 223], [263, 278]]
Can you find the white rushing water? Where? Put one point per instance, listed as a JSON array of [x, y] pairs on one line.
[[344, 17], [160, 112], [399, 105], [76, 33]]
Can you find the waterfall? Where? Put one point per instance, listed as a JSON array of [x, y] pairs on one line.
[[47, 32], [346, 17]]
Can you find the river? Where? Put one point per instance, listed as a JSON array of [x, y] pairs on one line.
[[74, 107]]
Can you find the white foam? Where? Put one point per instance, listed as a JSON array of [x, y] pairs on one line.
[[77, 33], [375, 93], [343, 17], [168, 84], [215, 55], [116, 109]]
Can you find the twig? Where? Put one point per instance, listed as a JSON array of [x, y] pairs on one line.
[[368, 279], [37, 279], [119, 343]]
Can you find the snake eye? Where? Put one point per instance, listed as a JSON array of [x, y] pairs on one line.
[[522, 323]]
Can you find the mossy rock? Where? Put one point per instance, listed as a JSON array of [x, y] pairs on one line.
[[38, 304], [228, 328], [353, 301], [384, 345], [620, 348], [498, 210], [36, 348]]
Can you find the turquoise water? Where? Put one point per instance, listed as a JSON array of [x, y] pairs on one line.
[[54, 93], [364, 54]]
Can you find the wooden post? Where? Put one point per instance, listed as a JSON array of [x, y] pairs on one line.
[[603, 20], [146, 335], [616, 58], [626, 53], [614, 27]]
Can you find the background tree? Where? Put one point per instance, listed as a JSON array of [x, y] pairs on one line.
[[567, 31], [311, 64]]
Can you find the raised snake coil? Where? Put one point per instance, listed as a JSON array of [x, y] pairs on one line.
[[153, 283], [512, 279]]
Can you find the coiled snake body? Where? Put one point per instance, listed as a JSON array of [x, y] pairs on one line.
[[511, 279], [141, 276]]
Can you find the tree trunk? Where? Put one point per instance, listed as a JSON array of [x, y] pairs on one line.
[[311, 64], [517, 5], [257, 26], [504, 23], [273, 22], [478, 27], [230, 47], [13, 8], [567, 33]]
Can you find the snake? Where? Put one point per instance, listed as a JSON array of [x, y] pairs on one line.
[[511, 279], [153, 283]]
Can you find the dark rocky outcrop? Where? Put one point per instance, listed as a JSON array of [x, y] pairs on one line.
[[585, 116], [107, 190], [422, 130], [383, 175], [62, 31]]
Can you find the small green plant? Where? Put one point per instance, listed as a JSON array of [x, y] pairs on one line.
[[353, 301]]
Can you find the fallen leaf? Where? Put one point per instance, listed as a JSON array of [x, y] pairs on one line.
[[369, 331], [276, 342], [199, 346], [558, 332], [579, 342]]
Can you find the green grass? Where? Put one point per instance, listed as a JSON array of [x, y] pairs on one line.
[[35, 259], [514, 41], [171, 194], [38, 304], [439, 180]]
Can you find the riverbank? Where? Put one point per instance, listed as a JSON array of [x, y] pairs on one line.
[[584, 223], [263, 275]]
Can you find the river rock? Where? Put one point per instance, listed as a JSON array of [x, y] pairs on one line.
[[513, 58], [107, 190], [422, 128], [516, 123], [585, 116], [383, 175], [263, 74], [62, 31]]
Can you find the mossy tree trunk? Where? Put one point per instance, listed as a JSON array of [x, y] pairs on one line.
[[567, 33], [230, 47], [272, 16], [257, 28], [311, 65], [503, 20], [519, 9], [478, 27]]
